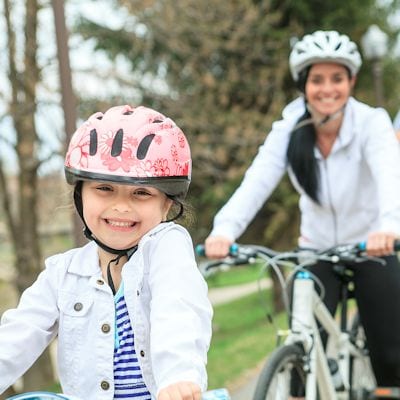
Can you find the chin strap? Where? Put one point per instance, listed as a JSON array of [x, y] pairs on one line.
[[322, 121], [120, 253], [128, 253], [327, 118]]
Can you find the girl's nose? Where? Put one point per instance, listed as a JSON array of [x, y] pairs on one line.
[[122, 205]]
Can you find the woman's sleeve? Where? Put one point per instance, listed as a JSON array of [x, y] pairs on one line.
[[261, 178], [27, 330], [382, 151]]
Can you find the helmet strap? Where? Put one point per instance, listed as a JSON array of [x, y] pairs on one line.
[[180, 212], [326, 118]]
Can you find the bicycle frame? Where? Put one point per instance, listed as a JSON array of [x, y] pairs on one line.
[[308, 308]]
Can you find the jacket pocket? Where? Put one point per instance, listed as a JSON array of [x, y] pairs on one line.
[[74, 305], [75, 313], [73, 335]]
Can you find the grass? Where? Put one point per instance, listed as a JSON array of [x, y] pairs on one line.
[[242, 338]]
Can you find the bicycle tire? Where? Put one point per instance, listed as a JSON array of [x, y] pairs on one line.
[[274, 381], [362, 379]]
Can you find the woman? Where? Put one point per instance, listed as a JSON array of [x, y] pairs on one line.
[[343, 158]]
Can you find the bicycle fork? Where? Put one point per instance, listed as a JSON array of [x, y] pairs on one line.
[[305, 331]]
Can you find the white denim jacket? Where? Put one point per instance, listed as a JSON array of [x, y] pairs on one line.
[[359, 181], [167, 302]]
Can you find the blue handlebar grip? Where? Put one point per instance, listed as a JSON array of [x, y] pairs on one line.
[[362, 246], [200, 250]]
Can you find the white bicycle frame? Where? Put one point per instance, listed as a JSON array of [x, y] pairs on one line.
[[307, 309]]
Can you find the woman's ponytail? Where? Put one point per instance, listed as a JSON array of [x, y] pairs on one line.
[[301, 158]]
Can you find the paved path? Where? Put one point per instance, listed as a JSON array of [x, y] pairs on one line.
[[229, 293]]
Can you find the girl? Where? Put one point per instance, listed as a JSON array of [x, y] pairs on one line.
[[343, 158], [130, 308]]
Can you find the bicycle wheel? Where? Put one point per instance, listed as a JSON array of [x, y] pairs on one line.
[[362, 379], [284, 366]]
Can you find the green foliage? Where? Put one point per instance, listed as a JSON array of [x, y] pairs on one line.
[[226, 70]]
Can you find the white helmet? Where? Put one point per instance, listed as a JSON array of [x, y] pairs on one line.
[[323, 46]]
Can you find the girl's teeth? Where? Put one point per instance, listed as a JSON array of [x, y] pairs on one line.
[[119, 223]]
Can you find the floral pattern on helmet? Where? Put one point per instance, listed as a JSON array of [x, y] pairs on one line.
[[128, 143]]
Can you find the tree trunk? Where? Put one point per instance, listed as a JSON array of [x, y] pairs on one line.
[[23, 224]]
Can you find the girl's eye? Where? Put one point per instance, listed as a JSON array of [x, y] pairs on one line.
[[141, 192], [104, 188]]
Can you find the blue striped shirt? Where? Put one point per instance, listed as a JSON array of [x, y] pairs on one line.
[[128, 379]]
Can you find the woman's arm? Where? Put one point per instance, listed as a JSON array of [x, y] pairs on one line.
[[260, 179]]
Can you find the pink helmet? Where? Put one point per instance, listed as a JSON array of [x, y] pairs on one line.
[[137, 146]]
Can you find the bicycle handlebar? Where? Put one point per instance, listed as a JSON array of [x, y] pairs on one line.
[[245, 254]]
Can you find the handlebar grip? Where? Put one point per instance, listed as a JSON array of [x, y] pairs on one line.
[[362, 246], [201, 250]]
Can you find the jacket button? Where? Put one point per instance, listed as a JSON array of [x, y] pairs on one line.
[[105, 328], [142, 353], [105, 385], [78, 306], [100, 282]]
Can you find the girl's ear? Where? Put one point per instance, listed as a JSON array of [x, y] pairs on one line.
[[167, 206]]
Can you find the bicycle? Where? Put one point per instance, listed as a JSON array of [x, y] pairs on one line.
[[343, 372]]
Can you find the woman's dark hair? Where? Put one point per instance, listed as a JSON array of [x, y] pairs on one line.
[[302, 79], [301, 158]]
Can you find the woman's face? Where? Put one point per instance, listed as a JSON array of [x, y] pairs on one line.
[[328, 88]]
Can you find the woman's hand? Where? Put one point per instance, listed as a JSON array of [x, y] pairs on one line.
[[180, 391], [380, 243], [217, 246]]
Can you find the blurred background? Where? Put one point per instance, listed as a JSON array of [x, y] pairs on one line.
[[218, 68]]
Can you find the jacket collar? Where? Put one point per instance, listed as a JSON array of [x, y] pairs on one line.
[[85, 261]]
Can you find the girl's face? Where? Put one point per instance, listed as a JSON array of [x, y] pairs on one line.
[[119, 215], [328, 88]]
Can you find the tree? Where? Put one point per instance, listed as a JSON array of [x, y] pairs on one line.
[[22, 220], [225, 66]]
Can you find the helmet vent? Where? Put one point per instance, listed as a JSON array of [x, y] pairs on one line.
[[157, 121], [318, 45], [93, 142], [127, 113], [116, 148], [144, 146]]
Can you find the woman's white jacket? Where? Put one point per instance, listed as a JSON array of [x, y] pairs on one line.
[[167, 303], [359, 180]]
